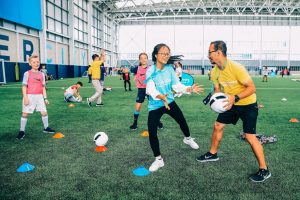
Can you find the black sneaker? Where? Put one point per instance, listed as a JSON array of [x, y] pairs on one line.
[[260, 176], [133, 127], [160, 126], [208, 157], [99, 105], [88, 102], [48, 130], [21, 135]]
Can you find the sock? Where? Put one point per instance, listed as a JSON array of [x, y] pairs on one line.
[[158, 158], [188, 137], [45, 121], [136, 116], [23, 123]]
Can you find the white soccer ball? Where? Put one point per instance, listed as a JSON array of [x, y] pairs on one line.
[[79, 99], [100, 139], [216, 102]]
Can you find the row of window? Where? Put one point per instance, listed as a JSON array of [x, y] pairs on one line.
[[57, 21]]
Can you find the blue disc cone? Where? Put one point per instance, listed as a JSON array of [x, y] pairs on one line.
[[25, 167], [141, 171]]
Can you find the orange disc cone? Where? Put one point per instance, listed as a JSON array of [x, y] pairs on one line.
[[58, 135], [294, 120], [145, 134], [100, 149], [71, 105]]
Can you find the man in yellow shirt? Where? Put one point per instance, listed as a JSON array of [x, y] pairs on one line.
[[95, 71], [233, 79]]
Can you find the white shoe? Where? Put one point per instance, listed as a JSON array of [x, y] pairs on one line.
[[191, 142], [175, 95], [158, 163], [179, 95]]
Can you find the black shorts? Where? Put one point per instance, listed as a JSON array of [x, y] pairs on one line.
[[247, 113], [141, 95]]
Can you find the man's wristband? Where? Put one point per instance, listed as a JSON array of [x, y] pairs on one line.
[[236, 98]]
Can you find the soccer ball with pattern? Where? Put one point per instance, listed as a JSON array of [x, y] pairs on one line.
[[100, 139], [217, 103]]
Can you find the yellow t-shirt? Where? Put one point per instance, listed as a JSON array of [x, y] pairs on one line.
[[90, 70], [231, 79], [95, 69]]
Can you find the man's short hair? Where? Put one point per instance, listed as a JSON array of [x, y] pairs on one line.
[[79, 83], [94, 56], [33, 56], [220, 45]]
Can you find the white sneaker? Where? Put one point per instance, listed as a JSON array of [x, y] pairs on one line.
[[191, 142], [179, 95], [158, 163], [175, 95]]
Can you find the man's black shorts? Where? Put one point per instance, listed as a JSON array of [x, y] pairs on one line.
[[141, 95], [248, 114]]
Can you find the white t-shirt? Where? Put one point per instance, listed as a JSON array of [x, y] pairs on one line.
[[178, 71], [265, 72]]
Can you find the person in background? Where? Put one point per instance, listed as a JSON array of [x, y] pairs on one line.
[[265, 73], [126, 78], [95, 69], [71, 94], [140, 78]]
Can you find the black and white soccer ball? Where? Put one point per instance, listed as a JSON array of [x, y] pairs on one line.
[[217, 103], [100, 139]]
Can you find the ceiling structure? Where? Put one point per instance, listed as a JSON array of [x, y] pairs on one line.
[[252, 12]]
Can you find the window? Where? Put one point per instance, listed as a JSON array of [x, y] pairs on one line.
[[57, 17], [81, 20]]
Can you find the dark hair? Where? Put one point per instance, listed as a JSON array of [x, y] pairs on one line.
[[140, 57], [156, 49], [79, 83], [220, 45], [180, 64], [94, 56]]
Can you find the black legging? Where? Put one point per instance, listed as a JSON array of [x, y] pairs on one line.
[[154, 118], [127, 81]]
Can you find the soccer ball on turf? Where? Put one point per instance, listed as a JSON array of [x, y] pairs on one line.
[[100, 139], [79, 99], [217, 102]]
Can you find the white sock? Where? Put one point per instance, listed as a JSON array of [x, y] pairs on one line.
[[158, 158], [23, 123], [45, 121], [188, 137]]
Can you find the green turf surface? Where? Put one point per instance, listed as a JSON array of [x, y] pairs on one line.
[[69, 168]]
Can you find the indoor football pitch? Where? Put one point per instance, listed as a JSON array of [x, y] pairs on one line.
[[69, 168]]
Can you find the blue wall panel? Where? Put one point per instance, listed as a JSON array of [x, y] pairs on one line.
[[10, 71], [62, 71], [76, 71], [52, 70], [26, 12], [24, 67]]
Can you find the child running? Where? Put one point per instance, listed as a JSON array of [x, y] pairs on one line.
[[161, 80], [34, 96], [95, 69], [140, 77]]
